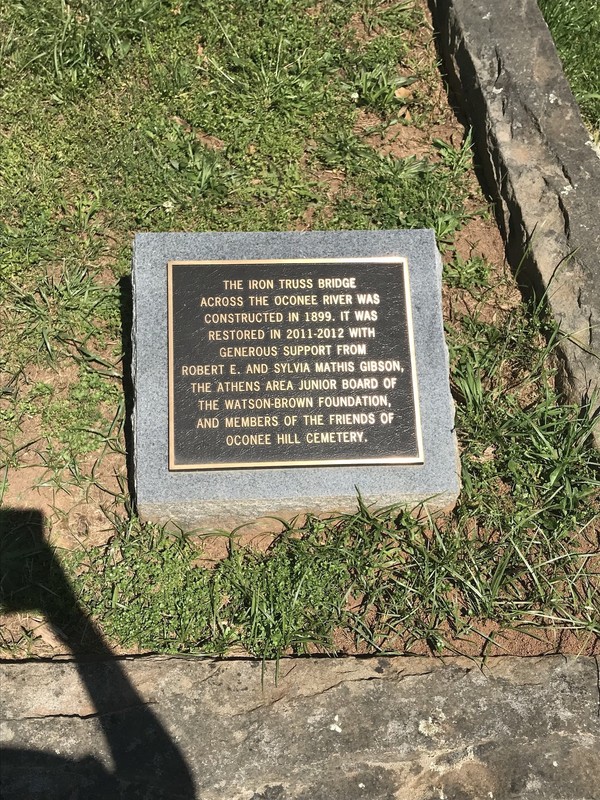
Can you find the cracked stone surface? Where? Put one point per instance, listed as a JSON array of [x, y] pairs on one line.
[[539, 164], [408, 727]]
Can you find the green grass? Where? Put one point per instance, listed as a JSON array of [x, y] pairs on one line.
[[519, 550], [575, 27], [162, 115]]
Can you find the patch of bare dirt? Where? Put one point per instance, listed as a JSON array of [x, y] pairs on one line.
[[72, 513], [358, 27], [72, 503], [402, 139], [206, 139], [491, 640]]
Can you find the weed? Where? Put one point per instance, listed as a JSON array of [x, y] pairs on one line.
[[391, 579], [72, 43], [61, 310], [515, 435], [466, 273], [377, 88], [397, 192], [73, 425], [392, 18], [151, 593]]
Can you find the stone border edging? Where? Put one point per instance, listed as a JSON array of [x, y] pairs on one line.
[[539, 164], [412, 728]]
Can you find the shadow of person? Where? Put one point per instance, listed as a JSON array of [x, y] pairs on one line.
[[146, 761]]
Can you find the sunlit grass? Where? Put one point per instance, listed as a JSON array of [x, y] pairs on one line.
[[575, 28]]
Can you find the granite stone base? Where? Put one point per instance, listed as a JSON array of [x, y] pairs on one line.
[[222, 499]]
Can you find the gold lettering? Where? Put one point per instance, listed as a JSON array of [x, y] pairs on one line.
[[238, 386], [279, 386], [315, 384], [252, 422], [390, 365], [208, 405], [288, 438], [337, 283], [208, 422], [293, 368], [368, 299], [353, 401], [246, 439], [313, 419], [334, 366], [352, 419], [259, 300], [235, 335], [351, 349], [333, 437], [219, 301], [296, 300], [257, 369], [295, 283], [202, 369], [260, 283], [359, 383], [248, 352]]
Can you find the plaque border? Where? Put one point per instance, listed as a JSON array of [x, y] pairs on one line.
[[403, 260]]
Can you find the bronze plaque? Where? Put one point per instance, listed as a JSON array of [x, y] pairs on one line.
[[284, 363]]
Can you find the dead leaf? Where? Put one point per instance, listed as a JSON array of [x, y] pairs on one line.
[[403, 93]]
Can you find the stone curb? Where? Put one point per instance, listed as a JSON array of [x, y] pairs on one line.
[[409, 728], [539, 164]]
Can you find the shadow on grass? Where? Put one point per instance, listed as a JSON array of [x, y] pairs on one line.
[[146, 761]]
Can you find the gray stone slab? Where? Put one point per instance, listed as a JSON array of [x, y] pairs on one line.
[[409, 728], [224, 498], [539, 163]]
